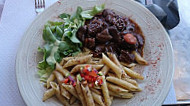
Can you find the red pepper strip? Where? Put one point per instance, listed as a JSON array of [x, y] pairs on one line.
[[86, 71], [94, 79], [66, 80], [93, 73], [91, 79], [87, 77], [82, 75], [87, 66], [100, 82], [99, 77]]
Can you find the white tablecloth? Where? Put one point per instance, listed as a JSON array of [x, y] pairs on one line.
[[16, 17]]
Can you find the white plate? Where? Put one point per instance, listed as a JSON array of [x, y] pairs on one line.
[[158, 51]]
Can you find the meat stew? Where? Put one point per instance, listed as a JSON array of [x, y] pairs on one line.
[[109, 32]]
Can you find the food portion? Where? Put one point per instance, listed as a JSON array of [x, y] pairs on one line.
[[92, 82], [109, 32], [89, 58]]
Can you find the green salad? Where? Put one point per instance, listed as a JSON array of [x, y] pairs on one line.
[[60, 39]]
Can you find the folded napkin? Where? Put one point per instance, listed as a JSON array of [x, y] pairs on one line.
[[1, 9], [166, 11], [1, 6]]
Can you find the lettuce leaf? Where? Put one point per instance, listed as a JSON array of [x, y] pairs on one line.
[[44, 68], [60, 39], [88, 14], [44, 73]]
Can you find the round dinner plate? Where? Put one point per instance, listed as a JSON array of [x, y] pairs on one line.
[[157, 51]]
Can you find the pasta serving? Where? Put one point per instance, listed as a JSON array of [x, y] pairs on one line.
[[91, 82]]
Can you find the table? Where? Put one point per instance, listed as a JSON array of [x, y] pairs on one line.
[[180, 37], [16, 17]]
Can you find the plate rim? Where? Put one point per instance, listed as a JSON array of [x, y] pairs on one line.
[[171, 47]]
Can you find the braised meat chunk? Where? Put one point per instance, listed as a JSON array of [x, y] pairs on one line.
[[127, 57], [104, 36]]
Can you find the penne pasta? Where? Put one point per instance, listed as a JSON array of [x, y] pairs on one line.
[[86, 49], [92, 62], [100, 61], [112, 65], [83, 54], [77, 103], [105, 92], [132, 81], [77, 60], [95, 91], [121, 95], [116, 88], [119, 83], [62, 62], [48, 94], [60, 78], [140, 59], [105, 69], [111, 75], [97, 87], [58, 94], [77, 67], [67, 58], [79, 92], [96, 104], [87, 94], [51, 78], [97, 98], [133, 74], [122, 83], [61, 70], [96, 59], [71, 89], [116, 61], [132, 68], [128, 65], [72, 100]]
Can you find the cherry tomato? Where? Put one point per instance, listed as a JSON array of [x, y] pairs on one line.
[[130, 38]]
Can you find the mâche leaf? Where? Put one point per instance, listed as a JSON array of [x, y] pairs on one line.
[[60, 39], [88, 14]]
